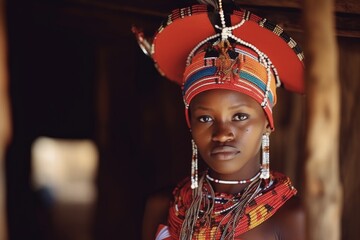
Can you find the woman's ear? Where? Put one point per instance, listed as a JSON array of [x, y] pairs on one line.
[[268, 128]]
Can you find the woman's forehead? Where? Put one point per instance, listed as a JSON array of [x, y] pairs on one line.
[[222, 97]]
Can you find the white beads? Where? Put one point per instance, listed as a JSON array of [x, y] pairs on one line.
[[222, 15], [234, 182], [188, 60], [265, 169], [194, 166]]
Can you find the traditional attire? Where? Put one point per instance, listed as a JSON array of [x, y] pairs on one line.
[[259, 209], [204, 47]]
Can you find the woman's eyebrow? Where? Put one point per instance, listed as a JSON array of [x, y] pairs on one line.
[[238, 106], [202, 108]]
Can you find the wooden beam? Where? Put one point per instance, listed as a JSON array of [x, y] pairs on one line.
[[287, 14], [5, 121], [323, 191], [341, 6]]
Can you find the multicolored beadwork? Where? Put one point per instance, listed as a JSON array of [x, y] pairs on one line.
[[217, 209]]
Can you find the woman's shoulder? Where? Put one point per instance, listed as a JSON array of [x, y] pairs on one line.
[[287, 223], [290, 220], [156, 211], [292, 212], [157, 207], [293, 207]]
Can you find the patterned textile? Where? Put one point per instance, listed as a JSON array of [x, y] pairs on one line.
[[238, 69], [261, 208]]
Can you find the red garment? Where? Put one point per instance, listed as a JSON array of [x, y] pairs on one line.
[[261, 208]]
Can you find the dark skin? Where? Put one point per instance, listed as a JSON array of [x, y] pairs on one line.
[[156, 212], [227, 127]]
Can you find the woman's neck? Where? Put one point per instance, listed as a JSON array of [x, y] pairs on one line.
[[233, 183]]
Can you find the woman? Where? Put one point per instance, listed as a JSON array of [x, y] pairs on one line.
[[229, 63]]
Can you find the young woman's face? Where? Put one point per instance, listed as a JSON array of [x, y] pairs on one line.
[[227, 127]]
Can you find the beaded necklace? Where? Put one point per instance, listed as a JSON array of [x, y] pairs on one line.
[[233, 182], [204, 214]]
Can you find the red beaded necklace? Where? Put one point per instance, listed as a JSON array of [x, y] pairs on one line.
[[224, 216]]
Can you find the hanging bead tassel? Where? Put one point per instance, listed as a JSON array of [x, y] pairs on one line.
[[194, 166], [265, 164]]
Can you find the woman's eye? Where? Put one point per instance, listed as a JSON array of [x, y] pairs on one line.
[[205, 119], [241, 117]]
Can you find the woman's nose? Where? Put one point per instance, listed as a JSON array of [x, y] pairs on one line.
[[223, 133]]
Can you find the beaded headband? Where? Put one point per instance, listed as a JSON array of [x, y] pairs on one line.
[[233, 68], [183, 51]]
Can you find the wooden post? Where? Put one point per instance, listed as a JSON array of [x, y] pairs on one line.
[[323, 192], [5, 121]]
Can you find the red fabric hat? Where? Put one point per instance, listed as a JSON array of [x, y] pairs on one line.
[[187, 27], [188, 33]]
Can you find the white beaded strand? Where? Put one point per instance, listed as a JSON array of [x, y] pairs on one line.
[[222, 15], [226, 32], [233, 182], [191, 54]]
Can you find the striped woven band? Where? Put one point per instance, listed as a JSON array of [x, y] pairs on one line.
[[243, 73]]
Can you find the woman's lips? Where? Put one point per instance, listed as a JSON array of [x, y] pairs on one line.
[[224, 153]]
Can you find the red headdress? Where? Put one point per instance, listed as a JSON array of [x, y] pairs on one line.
[[204, 47]]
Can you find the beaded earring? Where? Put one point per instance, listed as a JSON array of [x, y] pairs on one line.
[[265, 163], [194, 166]]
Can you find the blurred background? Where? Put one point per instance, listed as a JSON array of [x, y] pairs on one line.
[[95, 128]]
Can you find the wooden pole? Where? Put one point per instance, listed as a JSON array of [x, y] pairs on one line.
[[5, 121], [323, 192]]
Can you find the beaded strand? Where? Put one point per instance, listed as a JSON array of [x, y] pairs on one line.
[[191, 54], [233, 182]]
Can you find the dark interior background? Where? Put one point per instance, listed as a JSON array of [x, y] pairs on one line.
[[76, 72]]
